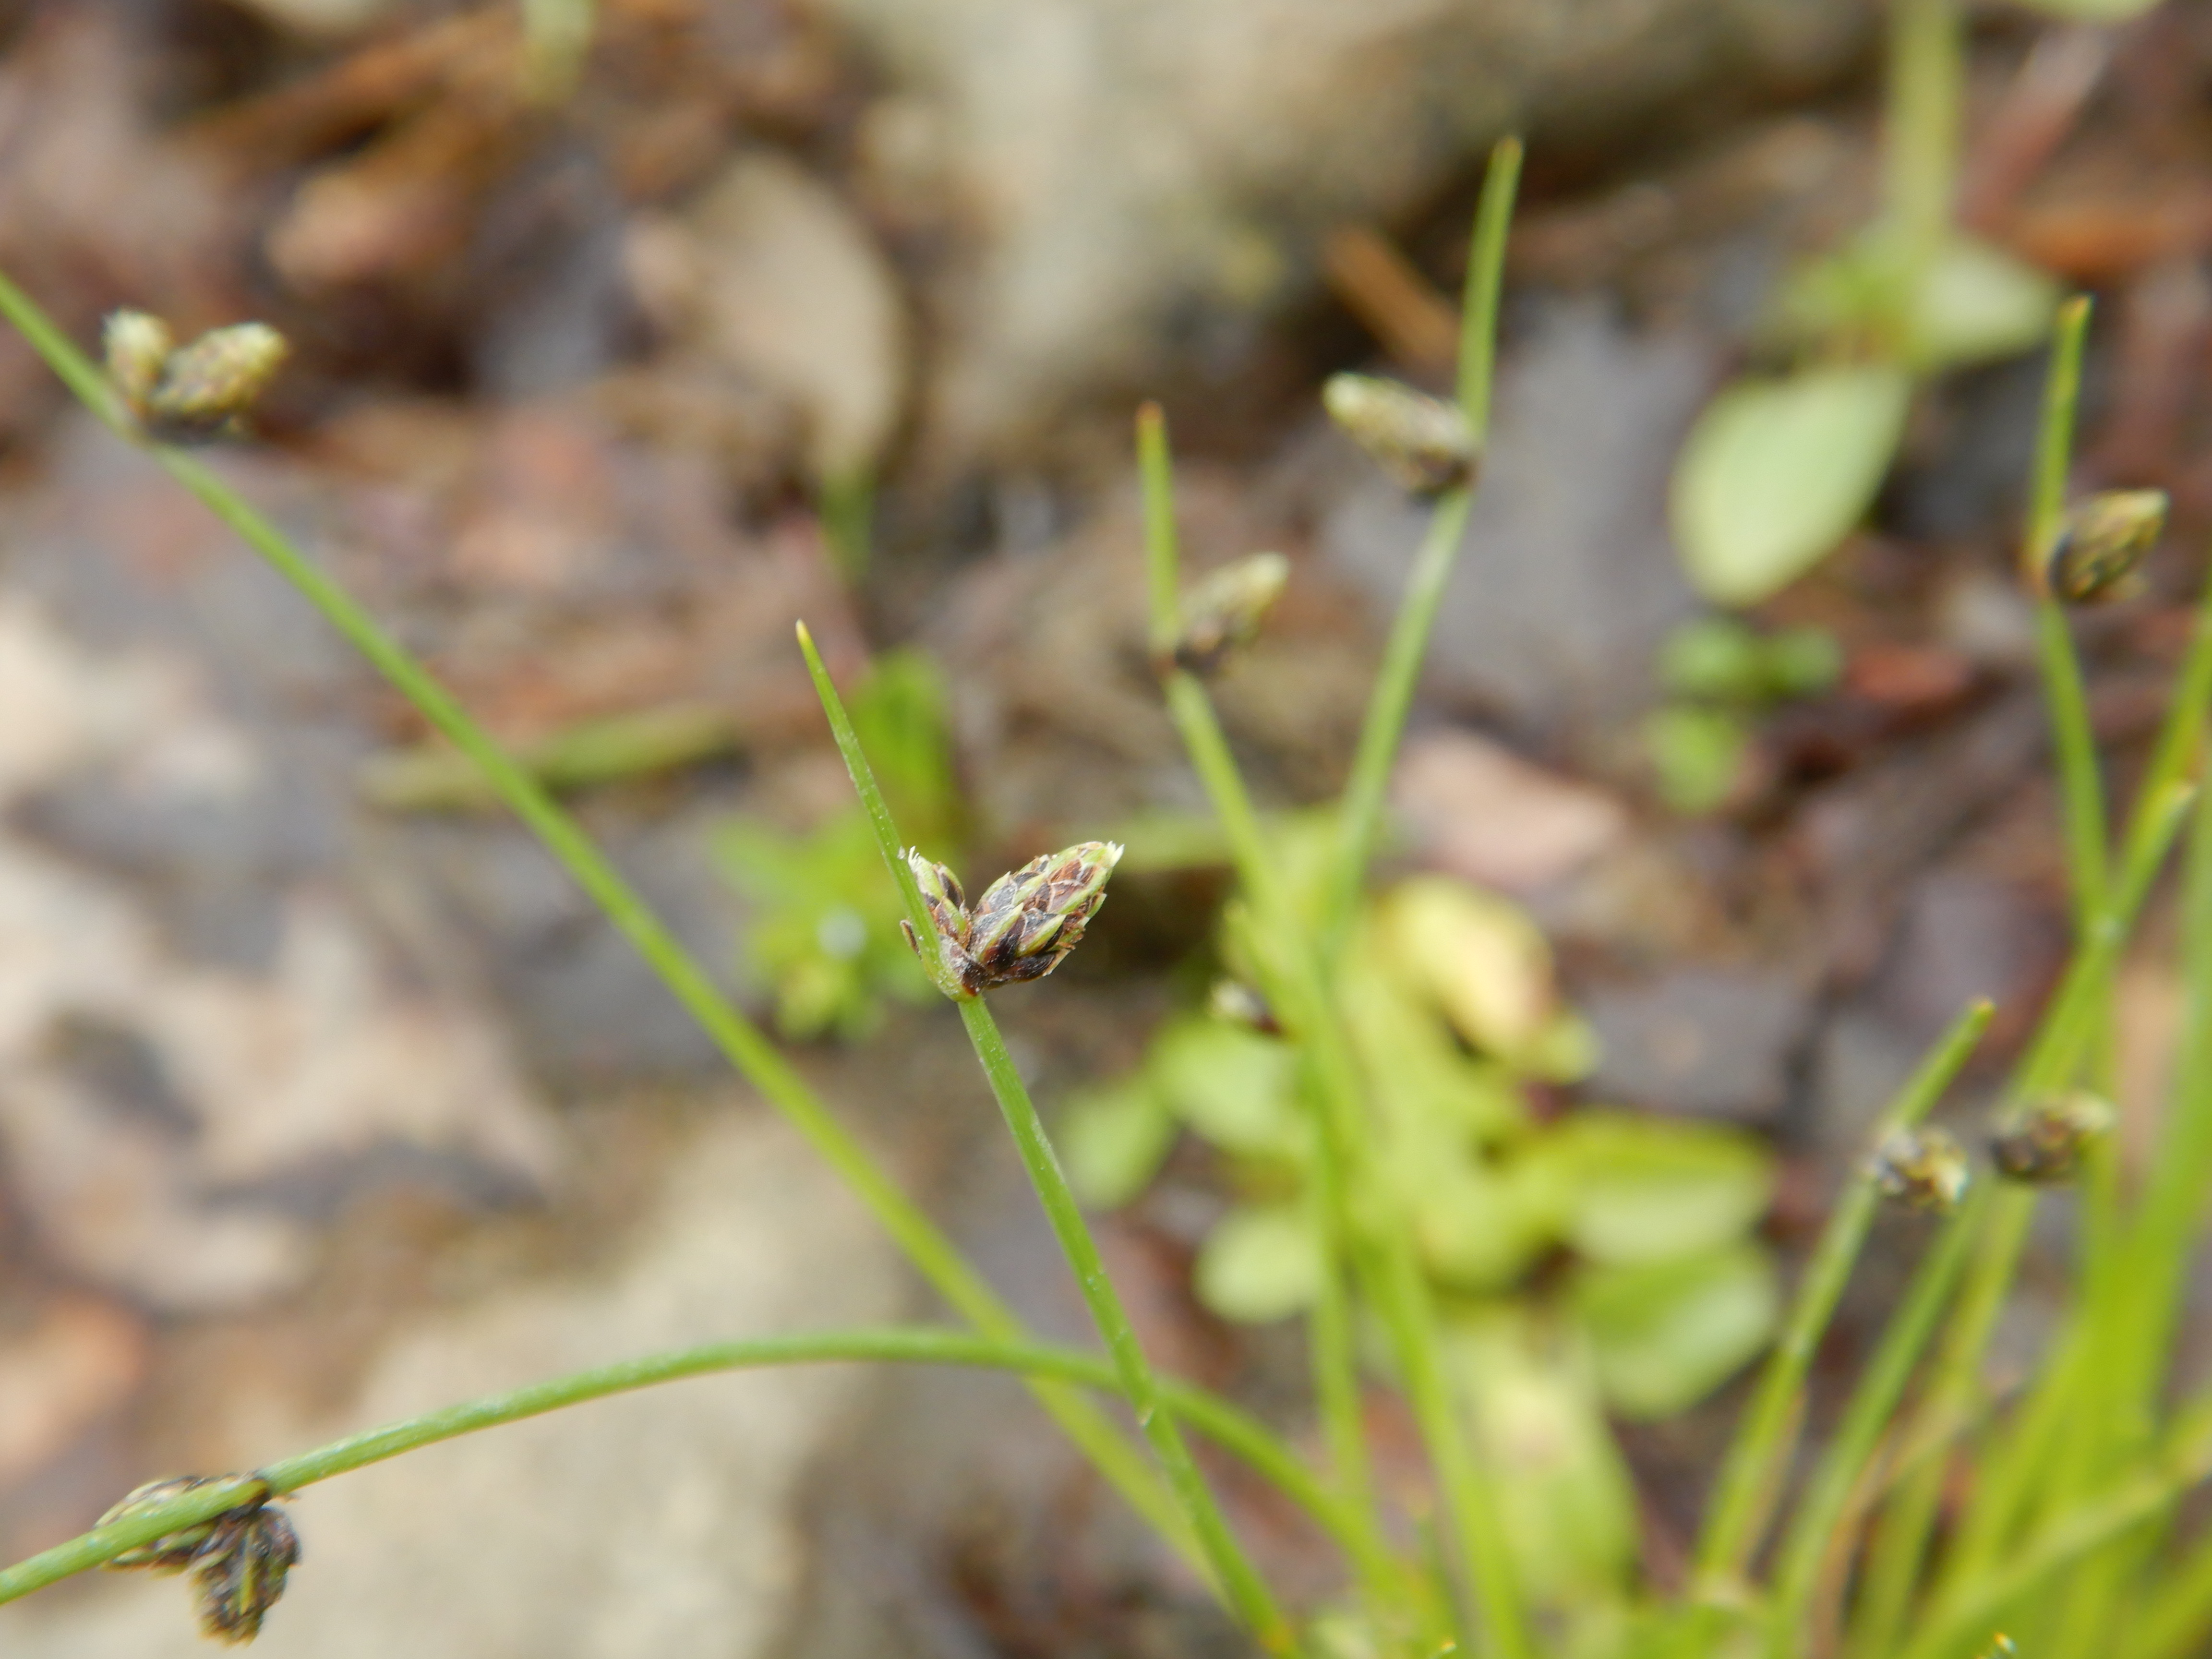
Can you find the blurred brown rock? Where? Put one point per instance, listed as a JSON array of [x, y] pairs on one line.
[[1127, 175], [769, 273], [77, 1361], [1480, 811]]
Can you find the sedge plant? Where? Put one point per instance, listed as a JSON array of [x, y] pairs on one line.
[[1936, 1515]]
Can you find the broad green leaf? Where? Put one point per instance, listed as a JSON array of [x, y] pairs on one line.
[[1113, 1139], [1480, 1227], [1667, 1334], [1976, 303], [1776, 472], [1260, 1263], [1232, 1085], [1641, 1190], [1564, 1493]]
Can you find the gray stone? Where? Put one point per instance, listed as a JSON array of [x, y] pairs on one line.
[[657, 1525], [1127, 177], [1718, 1042]]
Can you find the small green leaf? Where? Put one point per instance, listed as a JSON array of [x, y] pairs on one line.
[[1260, 1263], [1113, 1139], [1642, 1189], [1976, 303], [1666, 1335], [1722, 659], [1232, 1085], [1696, 754], [1776, 472], [1802, 662]]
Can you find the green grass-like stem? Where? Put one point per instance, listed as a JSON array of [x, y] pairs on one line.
[[742, 1043], [2073, 741], [2177, 1615], [1998, 1219], [1233, 1428], [1960, 1621], [1920, 146], [1360, 814], [1240, 1581], [2122, 1329], [1752, 1475], [1247, 1590], [1334, 1354], [1817, 1532], [1294, 978]]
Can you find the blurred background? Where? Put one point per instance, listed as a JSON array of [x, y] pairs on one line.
[[625, 336]]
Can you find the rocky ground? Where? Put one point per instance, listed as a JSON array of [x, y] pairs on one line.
[[323, 1097]]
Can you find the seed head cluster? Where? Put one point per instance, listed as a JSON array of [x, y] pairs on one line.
[[1021, 928]]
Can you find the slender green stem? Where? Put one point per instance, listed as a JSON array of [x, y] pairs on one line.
[[1757, 1462], [2009, 1469], [1294, 986], [2181, 733], [1899, 1556], [2073, 740], [1920, 147], [1816, 1529], [1391, 701], [1999, 1220], [2077, 1018], [1336, 1373], [2158, 1252], [2130, 1312], [1234, 1429], [1961, 1621], [742, 1043], [2054, 440], [1247, 1592], [1294, 978], [2081, 787], [1484, 287], [2177, 1616]]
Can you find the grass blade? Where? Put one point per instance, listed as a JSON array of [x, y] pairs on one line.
[[1392, 698], [1235, 1430], [1246, 1591], [1756, 1463]]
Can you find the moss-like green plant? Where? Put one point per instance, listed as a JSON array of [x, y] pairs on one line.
[[824, 935]]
